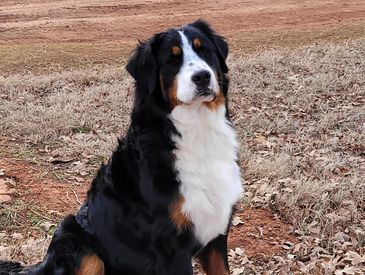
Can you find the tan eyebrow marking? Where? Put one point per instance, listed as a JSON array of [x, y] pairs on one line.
[[197, 43], [176, 50]]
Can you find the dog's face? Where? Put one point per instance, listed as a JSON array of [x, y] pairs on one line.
[[184, 65], [188, 66]]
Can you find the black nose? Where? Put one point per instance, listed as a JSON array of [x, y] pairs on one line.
[[201, 78]]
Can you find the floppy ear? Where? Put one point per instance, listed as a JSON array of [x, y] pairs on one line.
[[219, 42], [222, 48], [142, 65]]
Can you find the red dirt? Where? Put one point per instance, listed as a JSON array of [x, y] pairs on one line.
[[261, 234], [45, 191], [127, 21]]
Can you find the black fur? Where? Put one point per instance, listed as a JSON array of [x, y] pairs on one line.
[[220, 44], [125, 219], [8, 268], [142, 66]]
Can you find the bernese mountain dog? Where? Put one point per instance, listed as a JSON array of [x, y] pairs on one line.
[[168, 192]]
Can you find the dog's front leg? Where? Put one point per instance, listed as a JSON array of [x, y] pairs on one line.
[[213, 257], [177, 262]]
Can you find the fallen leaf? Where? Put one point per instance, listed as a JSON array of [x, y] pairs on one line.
[[261, 231], [17, 236], [245, 260], [354, 258], [348, 270], [60, 160], [238, 271], [47, 225], [286, 180], [5, 198], [237, 221]]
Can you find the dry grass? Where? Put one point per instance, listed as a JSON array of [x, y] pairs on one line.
[[300, 116], [77, 111], [42, 58]]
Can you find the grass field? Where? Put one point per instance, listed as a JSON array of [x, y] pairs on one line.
[[300, 115]]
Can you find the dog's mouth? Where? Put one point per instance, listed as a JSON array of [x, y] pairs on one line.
[[206, 95], [201, 96]]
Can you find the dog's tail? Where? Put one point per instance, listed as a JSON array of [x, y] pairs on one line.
[[12, 268]]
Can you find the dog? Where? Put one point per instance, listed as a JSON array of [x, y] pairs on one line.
[[169, 190]]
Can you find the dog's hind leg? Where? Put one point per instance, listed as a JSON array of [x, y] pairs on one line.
[[71, 252], [91, 265], [214, 258]]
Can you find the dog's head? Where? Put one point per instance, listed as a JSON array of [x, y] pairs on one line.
[[182, 66]]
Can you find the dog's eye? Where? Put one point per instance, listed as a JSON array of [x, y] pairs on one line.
[[176, 58], [203, 51], [172, 59]]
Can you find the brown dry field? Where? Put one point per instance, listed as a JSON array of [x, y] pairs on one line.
[[64, 46], [90, 21]]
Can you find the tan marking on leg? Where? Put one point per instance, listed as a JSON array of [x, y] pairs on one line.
[[179, 218], [91, 265], [215, 264]]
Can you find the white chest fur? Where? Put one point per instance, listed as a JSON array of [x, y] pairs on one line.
[[206, 158]]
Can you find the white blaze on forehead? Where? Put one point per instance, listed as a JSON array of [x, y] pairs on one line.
[[192, 63], [191, 59]]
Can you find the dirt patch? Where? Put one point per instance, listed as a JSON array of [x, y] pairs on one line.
[[37, 185], [261, 235]]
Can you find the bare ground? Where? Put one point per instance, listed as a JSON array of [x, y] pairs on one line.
[[54, 35], [65, 20]]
